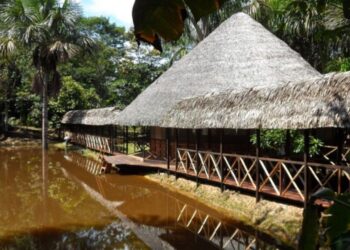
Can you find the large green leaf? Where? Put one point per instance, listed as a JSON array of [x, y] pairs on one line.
[[154, 19], [338, 224], [346, 7]]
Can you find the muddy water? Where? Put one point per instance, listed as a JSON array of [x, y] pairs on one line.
[[54, 201]]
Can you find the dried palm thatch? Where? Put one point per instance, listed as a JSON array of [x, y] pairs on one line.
[[92, 117], [239, 54], [315, 103]]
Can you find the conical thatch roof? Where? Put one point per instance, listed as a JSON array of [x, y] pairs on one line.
[[316, 103], [239, 54], [92, 117]]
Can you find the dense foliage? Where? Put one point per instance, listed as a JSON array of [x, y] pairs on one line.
[[113, 75], [275, 140], [119, 70]]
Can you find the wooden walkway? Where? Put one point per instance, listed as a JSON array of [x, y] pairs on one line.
[[292, 193]]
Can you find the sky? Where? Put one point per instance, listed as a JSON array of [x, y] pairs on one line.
[[118, 11]]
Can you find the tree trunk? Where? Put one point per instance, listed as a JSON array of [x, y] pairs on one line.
[[45, 122], [6, 116]]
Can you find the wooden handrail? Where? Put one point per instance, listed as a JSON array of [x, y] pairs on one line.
[[312, 164]]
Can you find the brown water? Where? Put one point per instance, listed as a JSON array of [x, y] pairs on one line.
[[52, 201]]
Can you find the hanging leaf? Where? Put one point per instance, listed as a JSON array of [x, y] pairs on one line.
[[338, 223], [201, 8], [346, 8], [154, 19]]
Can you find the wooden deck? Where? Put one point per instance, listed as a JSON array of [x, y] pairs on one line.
[[128, 162]]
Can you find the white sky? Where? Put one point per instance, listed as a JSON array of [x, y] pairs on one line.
[[119, 11]]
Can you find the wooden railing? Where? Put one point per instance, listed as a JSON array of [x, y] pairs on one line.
[[99, 143], [278, 177], [330, 154]]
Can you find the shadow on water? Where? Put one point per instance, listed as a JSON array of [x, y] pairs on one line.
[[53, 202]]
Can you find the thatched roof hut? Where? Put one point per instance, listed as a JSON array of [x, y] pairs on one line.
[[92, 117], [315, 103], [239, 54]]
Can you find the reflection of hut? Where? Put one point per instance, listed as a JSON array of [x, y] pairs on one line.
[[239, 54], [95, 129]]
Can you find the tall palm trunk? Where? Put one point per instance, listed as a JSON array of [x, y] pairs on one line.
[[45, 122], [6, 116]]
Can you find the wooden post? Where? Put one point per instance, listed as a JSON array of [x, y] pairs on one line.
[[176, 147], [287, 152], [134, 139], [221, 159], [197, 156], [187, 145], [209, 140], [143, 134], [287, 146], [126, 140], [341, 138], [257, 150], [168, 149], [306, 168]]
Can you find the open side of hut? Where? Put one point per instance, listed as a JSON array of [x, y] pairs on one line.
[[95, 129], [239, 54], [317, 107]]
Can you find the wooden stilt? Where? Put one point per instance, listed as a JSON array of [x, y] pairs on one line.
[[257, 179], [176, 147], [306, 167], [221, 159], [134, 139], [126, 140], [168, 149], [143, 142], [340, 148], [197, 155]]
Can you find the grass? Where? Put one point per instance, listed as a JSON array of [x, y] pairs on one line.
[[277, 220]]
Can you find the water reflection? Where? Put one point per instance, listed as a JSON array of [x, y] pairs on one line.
[[177, 220], [41, 209], [49, 201]]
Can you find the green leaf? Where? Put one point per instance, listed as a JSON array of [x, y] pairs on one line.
[[338, 223], [346, 8]]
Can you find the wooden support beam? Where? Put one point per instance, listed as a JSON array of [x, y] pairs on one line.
[[143, 129], [168, 149], [306, 167], [222, 158], [287, 146], [257, 154], [340, 148], [134, 139], [176, 147], [126, 140], [197, 153], [210, 140], [187, 145]]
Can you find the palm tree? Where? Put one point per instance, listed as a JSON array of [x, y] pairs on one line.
[[50, 30]]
